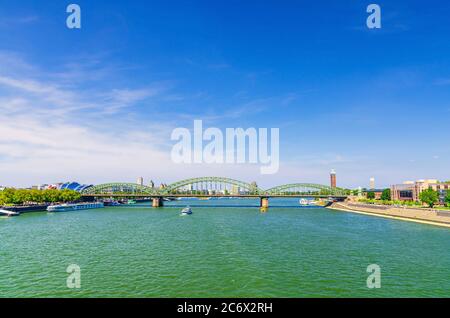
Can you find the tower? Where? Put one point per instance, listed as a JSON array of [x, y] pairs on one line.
[[372, 183], [140, 181], [333, 178]]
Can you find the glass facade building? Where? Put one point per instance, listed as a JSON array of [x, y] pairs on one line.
[[75, 186]]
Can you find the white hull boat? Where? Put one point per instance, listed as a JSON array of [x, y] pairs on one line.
[[186, 211], [75, 207], [8, 213]]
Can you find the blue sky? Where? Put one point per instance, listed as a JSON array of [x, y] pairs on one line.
[[99, 104]]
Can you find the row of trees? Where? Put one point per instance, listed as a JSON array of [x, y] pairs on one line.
[[12, 196], [392, 202], [429, 197], [385, 195]]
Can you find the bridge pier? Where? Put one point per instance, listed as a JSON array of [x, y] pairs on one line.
[[157, 202], [264, 202]]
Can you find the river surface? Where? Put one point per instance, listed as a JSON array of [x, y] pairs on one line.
[[229, 250]]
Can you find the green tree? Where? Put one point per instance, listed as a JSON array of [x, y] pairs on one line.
[[20, 196], [69, 195], [7, 197], [371, 195], [2, 198], [53, 195], [12, 196], [386, 195], [429, 197], [447, 199]]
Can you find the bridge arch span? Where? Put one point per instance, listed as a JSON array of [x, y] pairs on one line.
[[119, 188], [305, 189], [213, 186], [218, 184]]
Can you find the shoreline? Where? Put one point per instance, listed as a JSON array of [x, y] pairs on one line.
[[390, 214]]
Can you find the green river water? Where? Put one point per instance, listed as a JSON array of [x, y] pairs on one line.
[[230, 249]]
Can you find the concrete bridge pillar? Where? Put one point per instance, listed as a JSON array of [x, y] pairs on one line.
[[264, 203], [157, 202]]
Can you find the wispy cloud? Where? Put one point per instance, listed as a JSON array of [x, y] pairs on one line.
[[18, 20], [62, 131], [61, 94], [54, 129]]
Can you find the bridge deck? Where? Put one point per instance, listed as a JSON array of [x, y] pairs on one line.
[[124, 195]]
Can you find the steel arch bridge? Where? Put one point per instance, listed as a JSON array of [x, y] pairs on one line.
[[209, 183], [213, 185], [305, 189], [119, 188]]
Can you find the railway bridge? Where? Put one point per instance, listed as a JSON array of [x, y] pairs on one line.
[[205, 187]]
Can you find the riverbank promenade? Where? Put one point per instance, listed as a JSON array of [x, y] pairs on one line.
[[426, 216]]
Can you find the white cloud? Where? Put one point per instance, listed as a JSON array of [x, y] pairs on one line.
[[7, 21], [63, 126], [47, 135], [53, 129]]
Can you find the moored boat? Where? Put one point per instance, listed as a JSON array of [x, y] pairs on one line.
[[307, 202], [111, 203], [8, 213], [75, 207]]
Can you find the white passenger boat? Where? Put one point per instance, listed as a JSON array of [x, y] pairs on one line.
[[75, 207], [306, 202], [186, 211], [8, 213]]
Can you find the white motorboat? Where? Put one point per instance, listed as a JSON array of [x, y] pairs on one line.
[[186, 211]]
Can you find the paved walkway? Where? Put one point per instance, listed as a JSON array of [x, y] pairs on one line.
[[427, 216]]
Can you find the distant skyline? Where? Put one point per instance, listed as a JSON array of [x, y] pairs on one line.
[[99, 104]]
